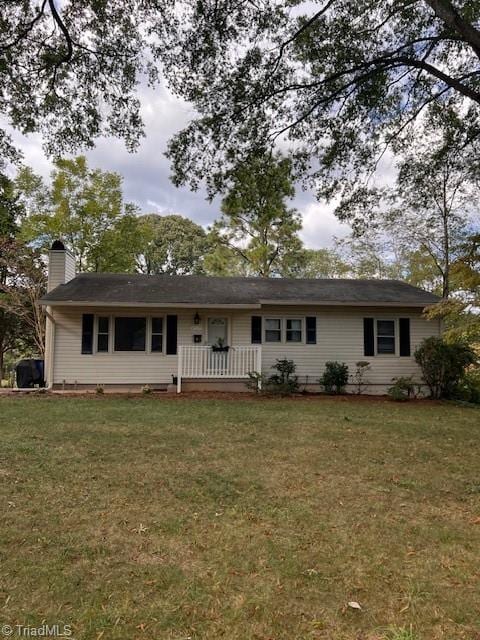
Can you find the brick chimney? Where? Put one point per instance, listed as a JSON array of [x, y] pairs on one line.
[[61, 265]]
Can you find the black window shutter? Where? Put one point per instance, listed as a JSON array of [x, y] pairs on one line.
[[311, 327], [368, 337], [87, 333], [404, 325], [256, 329], [171, 335]]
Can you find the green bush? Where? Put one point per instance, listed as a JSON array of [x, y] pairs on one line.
[[468, 389], [284, 382], [402, 389], [443, 365], [335, 377]]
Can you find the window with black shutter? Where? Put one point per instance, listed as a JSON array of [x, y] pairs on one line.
[[87, 333], [311, 329], [256, 332], [368, 337], [386, 336], [171, 335], [404, 335]]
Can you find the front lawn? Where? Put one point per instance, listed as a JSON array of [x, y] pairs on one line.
[[243, 519]]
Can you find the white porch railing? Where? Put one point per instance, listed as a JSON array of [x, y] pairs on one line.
[[202, 362]]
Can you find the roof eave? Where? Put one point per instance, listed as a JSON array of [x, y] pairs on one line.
[[153, 305], [259, 305], [339, 303]]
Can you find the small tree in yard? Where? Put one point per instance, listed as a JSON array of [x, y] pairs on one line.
[[335, 377], [284, 381], [358, 377], [443, 365]]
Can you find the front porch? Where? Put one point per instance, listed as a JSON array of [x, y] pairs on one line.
[[212, 363]]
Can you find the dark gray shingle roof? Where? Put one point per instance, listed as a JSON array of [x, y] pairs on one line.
[[113, 288]]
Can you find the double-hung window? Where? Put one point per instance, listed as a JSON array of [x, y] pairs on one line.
[[156, 345], [103, 327], [385, 336], [273, 330], [293, 330]]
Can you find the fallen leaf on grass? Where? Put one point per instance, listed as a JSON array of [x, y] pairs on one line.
[[354, 605]]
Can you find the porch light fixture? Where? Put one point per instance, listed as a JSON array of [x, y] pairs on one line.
[[196, 318]]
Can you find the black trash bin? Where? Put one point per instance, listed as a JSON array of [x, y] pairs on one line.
[[29, 373]]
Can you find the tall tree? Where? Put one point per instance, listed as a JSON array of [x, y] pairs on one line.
[[85, 208], [10, 213], [323, 263], [256, 223], [460, 311], [171, 244], [338, 82], [11, 209], [22, 283], [340, 79]]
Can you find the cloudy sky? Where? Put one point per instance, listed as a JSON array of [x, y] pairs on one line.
[[146, 172]]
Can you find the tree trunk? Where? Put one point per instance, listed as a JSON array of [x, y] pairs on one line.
[[446, 244]]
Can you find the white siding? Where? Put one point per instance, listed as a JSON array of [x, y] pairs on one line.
[[339, 337], [61, 268]]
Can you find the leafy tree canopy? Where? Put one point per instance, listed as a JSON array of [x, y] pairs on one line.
[[10, 208], [337, 81], [256, 224], [85, 208], [171, 244]]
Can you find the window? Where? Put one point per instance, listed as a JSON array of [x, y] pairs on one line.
[[130, 334], [273, 330], [102, 334], [294, 330], [385, 336], [157, 335]]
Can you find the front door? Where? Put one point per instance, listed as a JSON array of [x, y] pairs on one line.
[[217, 331]]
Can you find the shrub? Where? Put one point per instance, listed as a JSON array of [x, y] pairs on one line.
[[443, 365], [284, 382], [146, 389], [468, 389], [358, 378], [335, 377], [100, 390], [402, 389]]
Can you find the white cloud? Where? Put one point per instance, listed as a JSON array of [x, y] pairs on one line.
[[320, 225], [146, 172]]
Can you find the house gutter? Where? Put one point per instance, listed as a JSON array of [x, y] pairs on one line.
[[259, 305], [142, 305]]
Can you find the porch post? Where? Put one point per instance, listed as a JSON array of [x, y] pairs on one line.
[[259, 366], [179, 370]]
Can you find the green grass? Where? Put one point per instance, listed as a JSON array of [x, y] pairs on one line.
[[240, 519]]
